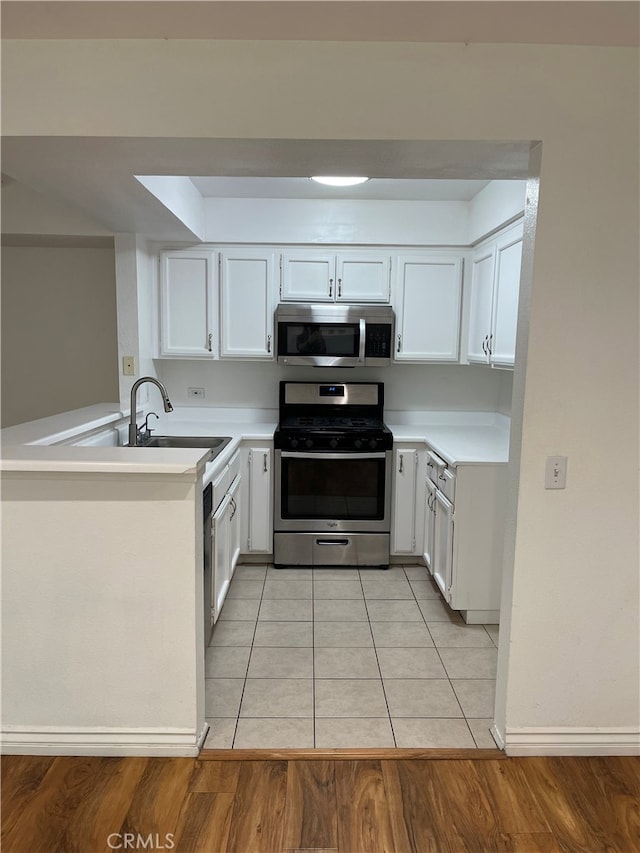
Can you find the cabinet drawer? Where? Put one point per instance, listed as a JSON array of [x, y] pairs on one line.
[[447, 483], [435, 467], [222, 483]]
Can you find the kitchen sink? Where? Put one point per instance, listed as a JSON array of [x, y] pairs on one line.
[[216, 443]]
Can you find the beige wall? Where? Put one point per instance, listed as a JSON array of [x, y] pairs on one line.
[[573, 640], [58, 330]]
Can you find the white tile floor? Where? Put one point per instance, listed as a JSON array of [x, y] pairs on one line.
[[339, 658]]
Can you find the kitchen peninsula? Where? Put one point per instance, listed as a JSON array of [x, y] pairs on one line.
[[102, 590]]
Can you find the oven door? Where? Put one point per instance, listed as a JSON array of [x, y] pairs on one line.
[[332, 492]]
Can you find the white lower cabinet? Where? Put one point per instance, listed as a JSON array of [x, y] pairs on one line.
[[429, 524], [442, 555], [257, 498], [464, 535], [407, 490], [225, 547]]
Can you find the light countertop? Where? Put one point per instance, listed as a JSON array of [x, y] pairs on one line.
[[47, 444]]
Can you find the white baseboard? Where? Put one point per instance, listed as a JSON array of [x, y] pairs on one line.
[[495, 734], [595, 740], [85, 741]]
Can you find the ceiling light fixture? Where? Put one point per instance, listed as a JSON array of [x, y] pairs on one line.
[[332, 181]]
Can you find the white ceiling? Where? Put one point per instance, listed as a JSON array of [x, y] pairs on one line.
[[524, 22], [375, 188], [97, 175]]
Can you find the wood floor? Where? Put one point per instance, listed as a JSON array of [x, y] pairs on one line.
[[528, 805]]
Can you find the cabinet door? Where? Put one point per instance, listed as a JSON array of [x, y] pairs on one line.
[[220, 550], [308, 277], [428, 313], [260, 499], [246, 283], [187, 304], [483, 267], [404, 501], [502, 344], [362, 278], [234, 526], [442, 556], [429, 525]]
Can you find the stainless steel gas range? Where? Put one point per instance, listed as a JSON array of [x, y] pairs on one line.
[[332, 475]]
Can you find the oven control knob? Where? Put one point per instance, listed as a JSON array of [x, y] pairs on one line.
[[357, 444], [333, 443], [373, 442], [308, 444], [294, 443]]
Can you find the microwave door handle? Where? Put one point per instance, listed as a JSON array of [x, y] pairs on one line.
[[363, 337]]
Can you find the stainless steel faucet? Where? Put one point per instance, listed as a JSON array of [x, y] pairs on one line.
[[134, 431]]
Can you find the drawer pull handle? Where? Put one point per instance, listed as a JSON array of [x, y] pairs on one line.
[[401, 468], [330, 288], [264, 463], [399, 343], [441, 477], [210, 341], [269, 343], [342, 542], [339, 287]]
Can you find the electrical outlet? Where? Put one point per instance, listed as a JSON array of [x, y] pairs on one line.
[[197, 393], [128, 365], [555, 472]]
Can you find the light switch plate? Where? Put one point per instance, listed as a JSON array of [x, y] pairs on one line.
[[128, 365], [555, 472]]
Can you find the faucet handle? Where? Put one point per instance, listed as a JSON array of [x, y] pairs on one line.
[[147, 428]]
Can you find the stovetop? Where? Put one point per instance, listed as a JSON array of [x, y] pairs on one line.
[[332, 417]]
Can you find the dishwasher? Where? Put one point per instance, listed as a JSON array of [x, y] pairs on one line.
[[207, 522]]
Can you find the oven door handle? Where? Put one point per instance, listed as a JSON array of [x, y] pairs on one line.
[[363, 338], [320, 454]]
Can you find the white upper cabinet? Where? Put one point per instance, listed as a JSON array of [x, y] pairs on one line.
[[427, 300], [308, 277], [504, 315], [188, 318], [312, 276], [495, 287], [483, 265], [362, 278], [247, 292]]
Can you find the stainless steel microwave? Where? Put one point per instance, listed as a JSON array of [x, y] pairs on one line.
[[334, 335]]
